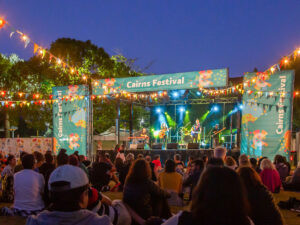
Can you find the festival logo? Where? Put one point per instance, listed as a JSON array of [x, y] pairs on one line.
[[72, 90], [110, 82], [78, 118], [258, 141], [204, 78], [73, 138], [261, 82]]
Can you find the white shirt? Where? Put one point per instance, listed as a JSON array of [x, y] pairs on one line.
[[28, 187]]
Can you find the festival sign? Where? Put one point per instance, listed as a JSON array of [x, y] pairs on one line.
[[70, 118], [267, 114], [174, 81]]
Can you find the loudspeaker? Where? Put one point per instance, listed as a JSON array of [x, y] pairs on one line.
[[141, 146], [172, 146], [193, 146], [157, 146]]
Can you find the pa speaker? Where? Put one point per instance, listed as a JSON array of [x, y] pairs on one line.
[[193, 146], [140, 146], [157, 146], [172, 146]]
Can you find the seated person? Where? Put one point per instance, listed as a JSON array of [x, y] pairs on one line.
[[179, 164], [293, 184], [142, 194], [171, 181], [7, 180], [191, 181], [28, 189], [68, 186]]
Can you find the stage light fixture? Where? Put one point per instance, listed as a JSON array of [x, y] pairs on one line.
[[241, 107], [181, 109], [158, 110], [175, 94], [187, 112], [198, 93], [215, 108]]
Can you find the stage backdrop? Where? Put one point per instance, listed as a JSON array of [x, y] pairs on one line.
[[70, 118], [174, 81], [267, 114]]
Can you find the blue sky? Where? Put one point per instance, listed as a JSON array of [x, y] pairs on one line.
[[173, 35]]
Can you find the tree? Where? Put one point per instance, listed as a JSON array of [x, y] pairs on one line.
[[39, 75]]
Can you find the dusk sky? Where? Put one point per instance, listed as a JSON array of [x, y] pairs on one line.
[[176, 35]]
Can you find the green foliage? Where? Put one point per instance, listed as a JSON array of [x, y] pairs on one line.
[[40, 75]]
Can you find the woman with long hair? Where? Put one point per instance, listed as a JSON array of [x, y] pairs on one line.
[[142, 194], [270, 176], [263, 209], [218, 199]]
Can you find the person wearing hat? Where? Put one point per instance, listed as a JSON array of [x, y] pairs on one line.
[[68, 187]]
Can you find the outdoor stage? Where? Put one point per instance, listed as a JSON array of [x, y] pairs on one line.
[[165, 154]]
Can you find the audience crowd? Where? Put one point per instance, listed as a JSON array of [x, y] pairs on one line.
[[70, 189]]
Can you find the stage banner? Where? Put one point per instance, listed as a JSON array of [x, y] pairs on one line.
[[267, 114], [174, 81], [70, 118]]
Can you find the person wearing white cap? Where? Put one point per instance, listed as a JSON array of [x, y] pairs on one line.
[[68, 187]]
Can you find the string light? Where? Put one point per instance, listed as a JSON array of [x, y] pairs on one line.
[[58, 61], [272, 69], [2, 23], [24, 37]]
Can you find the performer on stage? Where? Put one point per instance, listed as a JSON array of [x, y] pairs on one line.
[[163, 134], [215, 135], [145, 135], [196, 130]]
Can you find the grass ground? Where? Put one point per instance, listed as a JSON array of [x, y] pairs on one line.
[[290, 217]]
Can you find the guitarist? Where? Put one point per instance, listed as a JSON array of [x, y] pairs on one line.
[[196, 130], [215, 136], [163, 134]]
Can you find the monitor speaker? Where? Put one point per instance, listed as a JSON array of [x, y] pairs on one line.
[[157, 146], [193, 146], [140, 146], [172, 146]]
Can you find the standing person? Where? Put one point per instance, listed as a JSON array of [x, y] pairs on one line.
[[215, 136], [218, 199], [230, 162], [196, 131], [244, 161], [270, 176], [157, 165], [263, 208], [7, 180], [68, 187], [29, 189], [163, 134], [142, 194]]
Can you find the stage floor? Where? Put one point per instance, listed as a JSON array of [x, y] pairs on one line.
[[165, 154]]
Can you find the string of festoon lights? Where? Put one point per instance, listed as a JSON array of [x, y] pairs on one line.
[[109, 91]]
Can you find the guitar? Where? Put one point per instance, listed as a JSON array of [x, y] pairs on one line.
[[162, 132], [217, 132]]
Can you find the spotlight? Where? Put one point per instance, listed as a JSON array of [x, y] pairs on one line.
[[241, 107], [181, 109], [187, 112], [158, 110], [175, 94], [215, 108], [198, 93]]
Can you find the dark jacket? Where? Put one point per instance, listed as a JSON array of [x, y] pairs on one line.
[[283, 171], [192, 181], [100, 175], [142, 197], [263, 209]]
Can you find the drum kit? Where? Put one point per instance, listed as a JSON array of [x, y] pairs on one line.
[[185, 134]]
